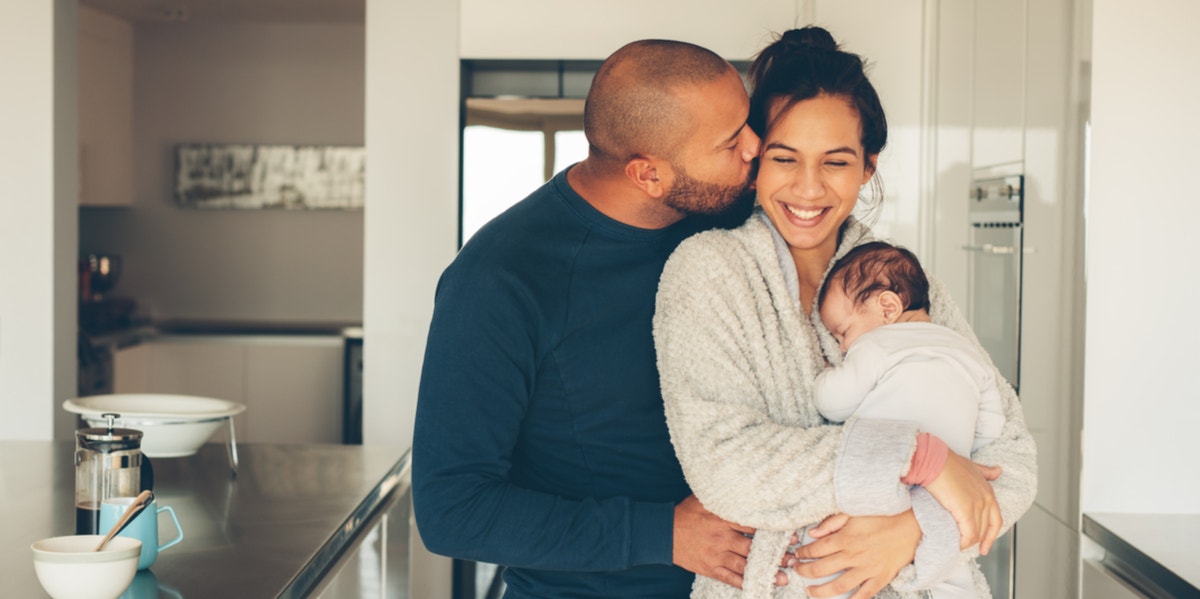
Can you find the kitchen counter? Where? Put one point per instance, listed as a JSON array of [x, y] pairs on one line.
[[143, 330], [278, 529], [1155, 551]]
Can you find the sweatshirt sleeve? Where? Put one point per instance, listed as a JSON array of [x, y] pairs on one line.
[[840, 390], [475, 386], [719, 376]]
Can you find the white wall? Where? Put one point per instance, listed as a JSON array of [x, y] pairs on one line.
[[892, 41], [38, 190], [572, 30], [263, 83], [411, 232], [1141, 406]]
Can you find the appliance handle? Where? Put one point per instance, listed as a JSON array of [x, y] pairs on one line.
[[988, 248]]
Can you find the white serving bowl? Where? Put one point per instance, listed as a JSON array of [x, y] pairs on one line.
[[172, 425], [70, 568]]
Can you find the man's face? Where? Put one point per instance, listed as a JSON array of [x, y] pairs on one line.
[[712, 169], [693, 196]]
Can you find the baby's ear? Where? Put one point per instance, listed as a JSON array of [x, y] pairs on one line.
[[891, 305]]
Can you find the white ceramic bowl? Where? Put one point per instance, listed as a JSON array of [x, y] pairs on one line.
[[172, 425], [69, 568]]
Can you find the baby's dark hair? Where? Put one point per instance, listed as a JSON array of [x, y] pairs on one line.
[[878, 266]]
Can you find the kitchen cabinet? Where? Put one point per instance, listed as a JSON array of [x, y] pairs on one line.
[[105, 109], [291, 384], [1046, 548], [999, 83], [1100, 583], [294, 389]]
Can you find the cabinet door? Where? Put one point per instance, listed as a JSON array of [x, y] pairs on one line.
[[999, 85], [131, 369], [1099, 583], [1046, 553], [205, 367], [294, 389]]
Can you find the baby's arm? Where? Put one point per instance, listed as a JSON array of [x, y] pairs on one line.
[[839, 390]]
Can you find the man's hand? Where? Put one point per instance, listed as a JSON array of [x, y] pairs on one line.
[[962, 488], [709, 546], [868, 551]]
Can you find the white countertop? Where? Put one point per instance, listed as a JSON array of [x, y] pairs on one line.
[[1163, 547]]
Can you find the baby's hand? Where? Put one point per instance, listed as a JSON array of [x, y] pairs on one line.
[[828, 526]]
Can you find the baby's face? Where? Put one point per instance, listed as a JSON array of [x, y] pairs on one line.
[[848, 321]]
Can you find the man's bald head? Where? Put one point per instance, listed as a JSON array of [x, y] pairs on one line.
[[632, 108]]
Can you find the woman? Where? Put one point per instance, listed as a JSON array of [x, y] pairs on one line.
[[740, 342]]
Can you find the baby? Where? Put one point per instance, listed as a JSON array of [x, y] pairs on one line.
[[898, 365]]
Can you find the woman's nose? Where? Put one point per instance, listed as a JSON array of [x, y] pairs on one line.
[[807, 183]]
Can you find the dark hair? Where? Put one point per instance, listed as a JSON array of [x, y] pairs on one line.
[[878, 266], [805, 63]]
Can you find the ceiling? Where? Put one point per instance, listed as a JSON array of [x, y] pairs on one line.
[[297, 11]]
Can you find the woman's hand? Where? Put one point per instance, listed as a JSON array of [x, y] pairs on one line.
[[868, 551], [962, 488]]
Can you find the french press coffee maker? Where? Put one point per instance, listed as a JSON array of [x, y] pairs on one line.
[[108, 463]]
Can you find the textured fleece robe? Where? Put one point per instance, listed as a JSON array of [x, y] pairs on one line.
[[734, 354]]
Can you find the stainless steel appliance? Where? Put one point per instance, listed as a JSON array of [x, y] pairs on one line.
[[997, 251]]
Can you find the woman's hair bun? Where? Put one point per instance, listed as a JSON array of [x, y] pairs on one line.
[[809, 37]]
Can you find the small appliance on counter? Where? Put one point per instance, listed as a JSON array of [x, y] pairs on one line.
[[108, 463], [98, 311]]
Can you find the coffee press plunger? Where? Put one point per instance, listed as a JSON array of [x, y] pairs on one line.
[[108, 463]]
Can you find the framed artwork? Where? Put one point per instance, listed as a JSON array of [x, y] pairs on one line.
[[259, 177]]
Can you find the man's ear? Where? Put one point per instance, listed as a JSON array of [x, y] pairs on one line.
[[891, 305], [649, 174]]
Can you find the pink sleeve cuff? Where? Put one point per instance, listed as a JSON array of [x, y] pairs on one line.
[[928, 460]]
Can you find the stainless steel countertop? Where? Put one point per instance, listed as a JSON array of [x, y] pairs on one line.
[[274, 531], [1158, 548]]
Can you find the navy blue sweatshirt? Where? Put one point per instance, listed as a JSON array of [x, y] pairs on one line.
[[540, 441]]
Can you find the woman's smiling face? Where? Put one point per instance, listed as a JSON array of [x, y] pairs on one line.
[[811, 168]]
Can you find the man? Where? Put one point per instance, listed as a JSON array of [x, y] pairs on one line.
[[540, 441]]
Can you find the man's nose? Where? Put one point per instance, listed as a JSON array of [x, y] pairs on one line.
[[750, 145]]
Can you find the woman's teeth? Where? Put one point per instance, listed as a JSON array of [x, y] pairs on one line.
[[804, 214]]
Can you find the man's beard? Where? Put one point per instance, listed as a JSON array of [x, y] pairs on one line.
[[725, 206]]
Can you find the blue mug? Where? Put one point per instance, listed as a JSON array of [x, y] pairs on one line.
[[143, 527]]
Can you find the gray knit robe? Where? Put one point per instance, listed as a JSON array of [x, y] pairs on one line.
[[737, 360]]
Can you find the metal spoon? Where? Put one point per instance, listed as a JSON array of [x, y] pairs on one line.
[[139, 503]]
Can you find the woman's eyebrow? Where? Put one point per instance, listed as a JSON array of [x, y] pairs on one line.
[[775, 145]]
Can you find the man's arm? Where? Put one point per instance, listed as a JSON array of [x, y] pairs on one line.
[[476, 383]]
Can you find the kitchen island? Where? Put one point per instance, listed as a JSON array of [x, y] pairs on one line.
[[1151, 555], [280, 528]]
